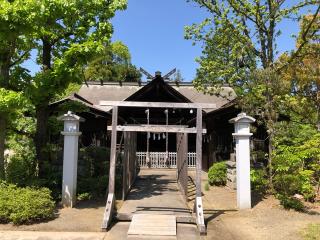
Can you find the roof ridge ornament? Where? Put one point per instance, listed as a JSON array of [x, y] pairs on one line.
[[157, 74], [144, 72]]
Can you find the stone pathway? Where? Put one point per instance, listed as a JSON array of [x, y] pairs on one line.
[[155, 191]]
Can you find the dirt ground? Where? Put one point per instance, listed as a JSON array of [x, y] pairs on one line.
[[85, 217], [267, 220]]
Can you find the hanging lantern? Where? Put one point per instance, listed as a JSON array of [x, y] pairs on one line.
[[154, 136], [164, 136], [159, 136], [191, 111]]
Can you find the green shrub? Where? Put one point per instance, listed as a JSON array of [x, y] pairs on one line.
[[291, 203], [24, 205], [287, 184], [306, 186], [206, 187], [93, 171], [217, 174], [84, 196], [259, 180], [95, 186], [93, 161], [21, 167], [290, 184]]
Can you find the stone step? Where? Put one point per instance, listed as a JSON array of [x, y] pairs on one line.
[[132, 237], [143, 225]]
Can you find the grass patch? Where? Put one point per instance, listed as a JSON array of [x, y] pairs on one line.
[[311, 232]]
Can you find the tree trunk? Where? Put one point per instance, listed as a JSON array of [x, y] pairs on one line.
[[3, 126], [318, 188], [270, 169], [4, 83], [271, 120], [42, 113], [41, 136]]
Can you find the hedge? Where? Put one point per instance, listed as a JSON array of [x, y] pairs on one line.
[[24, 205]]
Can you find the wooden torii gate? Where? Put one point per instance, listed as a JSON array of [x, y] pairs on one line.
[[181, 131]]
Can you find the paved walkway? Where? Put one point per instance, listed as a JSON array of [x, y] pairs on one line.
[[155, 191]]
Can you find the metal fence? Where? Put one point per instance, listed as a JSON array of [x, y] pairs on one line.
[[158, 159]]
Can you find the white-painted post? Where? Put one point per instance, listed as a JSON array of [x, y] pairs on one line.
[[70, 157], [242, 136]]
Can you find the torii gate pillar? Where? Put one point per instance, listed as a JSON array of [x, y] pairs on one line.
[[198, 203]]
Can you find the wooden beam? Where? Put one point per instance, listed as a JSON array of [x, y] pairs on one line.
[[198, 202], [125, 161], [109, 210], [199, 152], [180, 219], [157, 104], [200, 217], [113, 149], [156, 129], [182, 163]]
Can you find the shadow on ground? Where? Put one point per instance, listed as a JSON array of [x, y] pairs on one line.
[[256, 198], [211, 214], [162, 209], [151, 185], [95, 203]]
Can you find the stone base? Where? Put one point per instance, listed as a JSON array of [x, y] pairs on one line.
[[232, 172], [232, 185]]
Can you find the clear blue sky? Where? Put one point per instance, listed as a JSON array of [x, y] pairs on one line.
[[154, 32]]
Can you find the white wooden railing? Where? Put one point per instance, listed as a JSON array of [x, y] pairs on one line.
[[158, 159]]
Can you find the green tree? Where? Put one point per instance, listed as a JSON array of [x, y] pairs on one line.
[[17, 19], [296, 153], [113, 64], [296, 159], [303, 76], [71, 32], [241, 36]]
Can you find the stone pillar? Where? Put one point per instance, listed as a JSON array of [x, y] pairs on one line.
[[242, 137], [70, 157], [232, 172]]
